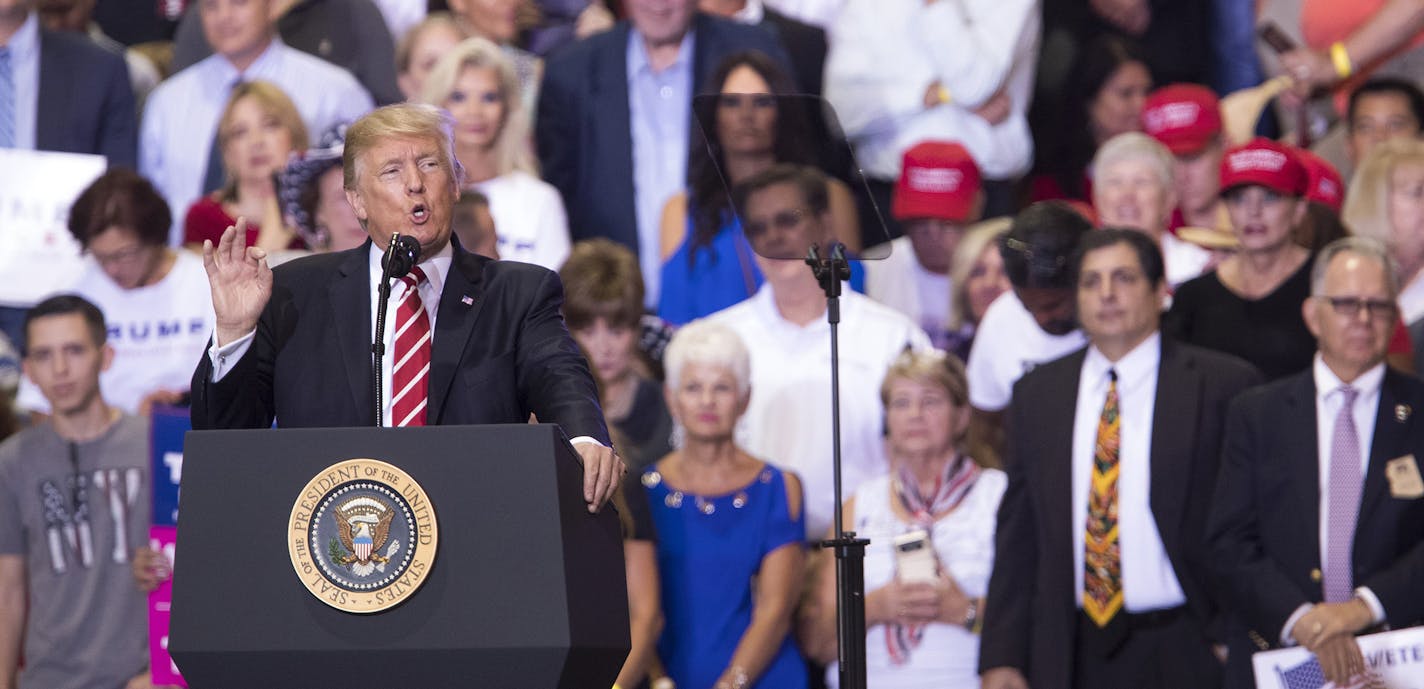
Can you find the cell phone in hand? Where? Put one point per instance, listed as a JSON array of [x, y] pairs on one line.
[[915, 561], [1274, 37]]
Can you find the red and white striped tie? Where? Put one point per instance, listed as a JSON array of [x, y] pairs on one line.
[[411, 370]]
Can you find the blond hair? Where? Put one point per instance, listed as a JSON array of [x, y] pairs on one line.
[[979, 236], [1366, 209], [402, 120], [930, 367], [511, 146], [406, 46], [273, 101]]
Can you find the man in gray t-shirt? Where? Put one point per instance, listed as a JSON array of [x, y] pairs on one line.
[[74, 504]]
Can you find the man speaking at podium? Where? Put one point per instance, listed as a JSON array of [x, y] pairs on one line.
[[467, 340]]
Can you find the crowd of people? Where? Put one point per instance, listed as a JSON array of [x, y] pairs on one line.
[[1129, 338]]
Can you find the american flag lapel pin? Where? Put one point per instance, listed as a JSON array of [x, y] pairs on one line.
[[467, 300]]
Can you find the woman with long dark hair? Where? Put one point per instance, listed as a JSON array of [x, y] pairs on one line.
[[751, 123]]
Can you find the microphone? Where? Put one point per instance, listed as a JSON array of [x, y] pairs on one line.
[[401, 255]]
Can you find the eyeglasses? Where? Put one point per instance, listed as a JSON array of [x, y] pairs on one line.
[[785, 220], [1350, 307]]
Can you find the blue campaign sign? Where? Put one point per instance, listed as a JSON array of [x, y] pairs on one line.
[[169, 424]]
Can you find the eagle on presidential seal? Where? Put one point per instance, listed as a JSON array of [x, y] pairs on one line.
[[363, 524]]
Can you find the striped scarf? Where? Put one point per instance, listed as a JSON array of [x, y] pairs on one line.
[[949, 490]]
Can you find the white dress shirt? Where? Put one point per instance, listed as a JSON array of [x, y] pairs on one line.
[[751, 13], [1148, 580], [1411, 299], [24, 48], [885, 54], [820, 13], [1328, 400], [182, 114]]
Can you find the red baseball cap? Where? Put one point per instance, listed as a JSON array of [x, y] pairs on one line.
[[1324, 183], [938, 179], [1184, 117], [1265, 163]]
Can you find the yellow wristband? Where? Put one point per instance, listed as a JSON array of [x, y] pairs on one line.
[[944, 97], [1341, 57]]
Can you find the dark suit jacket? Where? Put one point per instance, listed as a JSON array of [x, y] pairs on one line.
[[85, 102], [496, 359], [806, 44], [1031, 616], [1265, 526], [583, 132]]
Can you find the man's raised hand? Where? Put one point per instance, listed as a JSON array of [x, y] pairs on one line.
[[241, 282]]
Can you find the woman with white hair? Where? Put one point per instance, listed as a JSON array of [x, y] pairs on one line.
[[729, 528], [477, 84], [1133, 189]]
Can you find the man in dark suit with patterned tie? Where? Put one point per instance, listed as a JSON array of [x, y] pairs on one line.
[[1099, 575], [468, 340], [1317, 526]]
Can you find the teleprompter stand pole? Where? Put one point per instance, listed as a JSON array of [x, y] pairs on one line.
[[850, 551]]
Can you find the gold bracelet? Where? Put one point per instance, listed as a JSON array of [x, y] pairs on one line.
[[1341, 57]]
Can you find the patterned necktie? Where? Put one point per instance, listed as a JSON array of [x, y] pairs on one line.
[[1102, 563], [1344, 507], [7, 100], [411, 370]]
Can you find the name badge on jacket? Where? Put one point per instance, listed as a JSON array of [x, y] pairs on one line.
[[1404, 479]]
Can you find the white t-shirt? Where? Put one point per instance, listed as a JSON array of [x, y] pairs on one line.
[[529, 219], [900, 282], [158, 332], [1007, 345], [788, 421]]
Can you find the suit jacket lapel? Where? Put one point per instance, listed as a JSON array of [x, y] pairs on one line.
[[350, 294], [460, 302], [1390, 441], [1300, 448], [1174, 423], [53, 93], [1057, 466]]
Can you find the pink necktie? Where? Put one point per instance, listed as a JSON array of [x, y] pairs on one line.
[[1344, 504]]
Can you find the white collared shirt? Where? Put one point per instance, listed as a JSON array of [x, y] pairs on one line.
[[1148, 580], [751, 13], [182, 115], [24, 48]]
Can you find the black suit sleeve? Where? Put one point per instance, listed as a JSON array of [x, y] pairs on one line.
[[552, 375], [1007, 613], [1255, 584], [118, 125], [244, 398], [376, 53]]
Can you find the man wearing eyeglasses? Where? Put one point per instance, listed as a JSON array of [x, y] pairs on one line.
[[785, 209], [1318, 519]]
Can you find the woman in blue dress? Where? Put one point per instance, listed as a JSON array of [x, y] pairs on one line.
[[730, 552]]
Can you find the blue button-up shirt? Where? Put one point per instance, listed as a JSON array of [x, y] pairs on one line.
[[659, 109]]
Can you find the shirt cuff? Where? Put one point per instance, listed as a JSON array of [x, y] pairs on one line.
[[225, 358], [1286, 638], [585, 439], [1376, 609]]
